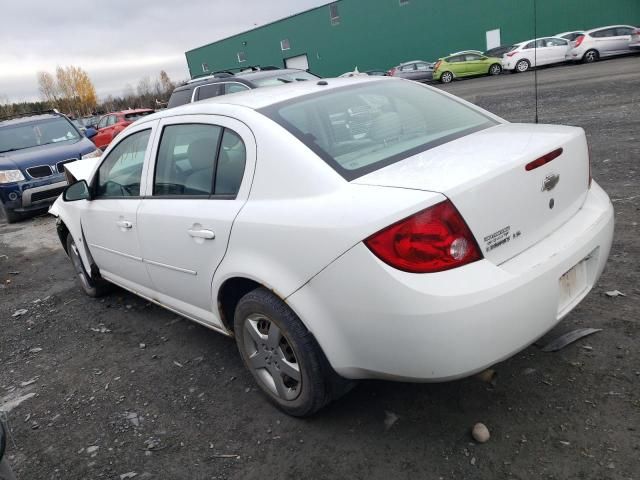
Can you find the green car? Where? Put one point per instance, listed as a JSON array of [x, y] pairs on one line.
[[463, 64]]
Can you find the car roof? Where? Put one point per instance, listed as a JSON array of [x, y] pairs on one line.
[[608, 26], [28, 118], [570, 31], [129, 111], [265, 96]]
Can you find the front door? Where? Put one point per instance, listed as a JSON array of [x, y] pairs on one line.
[[558, 48], [198, 185], [109, 220]]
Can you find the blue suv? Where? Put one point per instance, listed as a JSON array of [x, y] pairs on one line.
[[33, 151]]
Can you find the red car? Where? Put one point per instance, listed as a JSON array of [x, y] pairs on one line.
[[113, 123]]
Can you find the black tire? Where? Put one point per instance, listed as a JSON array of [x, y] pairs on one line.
[[10, 215], [590, 56], [93, 287], [522, 66], [495, 69], [295, 346], [446, 77]]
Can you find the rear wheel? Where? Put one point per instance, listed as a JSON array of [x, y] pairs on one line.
[[446, 77], [495, 69], [282, 355], [591, 56], [522, 66], [93, 287]]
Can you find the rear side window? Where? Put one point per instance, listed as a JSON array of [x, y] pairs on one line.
[[235, 87], [208, 91], [180, 97], [120, 173], [609, 32], [199, 160], [361, 128]]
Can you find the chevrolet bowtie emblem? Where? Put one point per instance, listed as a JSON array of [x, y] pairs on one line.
[[550, 182]]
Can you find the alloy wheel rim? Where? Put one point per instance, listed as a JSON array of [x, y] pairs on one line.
[[522, 66], [495, 69], [591, 56], [271, 357], [447, 77]]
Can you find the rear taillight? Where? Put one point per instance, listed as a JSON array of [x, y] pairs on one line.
[[511, 54], [437, 65], [579, 41], [433, 240]]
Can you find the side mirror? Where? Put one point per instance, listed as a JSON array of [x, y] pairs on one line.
[[76, 191], [90, 132]]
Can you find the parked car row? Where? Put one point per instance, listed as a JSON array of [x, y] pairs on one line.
[[578, 46]]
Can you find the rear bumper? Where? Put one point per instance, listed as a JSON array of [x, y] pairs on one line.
[[373, 321], [32, 194]]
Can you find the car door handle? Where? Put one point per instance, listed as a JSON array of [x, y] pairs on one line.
[[206, 234], [124, 224]]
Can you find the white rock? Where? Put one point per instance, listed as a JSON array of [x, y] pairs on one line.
[[480, 433]]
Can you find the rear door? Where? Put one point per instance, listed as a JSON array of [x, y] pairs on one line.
[[109, 220], [200, 179], [475, 65]]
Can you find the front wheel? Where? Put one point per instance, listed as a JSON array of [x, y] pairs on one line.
[[10, 215], [446, 77], [495, 69], [282, 355], [92, 287]]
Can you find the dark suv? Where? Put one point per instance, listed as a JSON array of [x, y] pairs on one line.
[[33, 151], [214, 86]]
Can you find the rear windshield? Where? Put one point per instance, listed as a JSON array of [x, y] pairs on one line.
[[132, 117], [280, 78], [361, 128], [44, 132], [180, 97]]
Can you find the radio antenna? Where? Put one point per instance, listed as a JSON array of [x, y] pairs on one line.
[[535, 54]]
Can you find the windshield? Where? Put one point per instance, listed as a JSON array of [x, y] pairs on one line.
[[359, 129], [282, 77], [43, 132]]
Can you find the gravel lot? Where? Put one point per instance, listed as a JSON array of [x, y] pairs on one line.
[[118, 386]]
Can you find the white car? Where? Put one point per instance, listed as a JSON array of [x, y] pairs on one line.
[[602, 42], [439, 240], [634, 44], [535, 53]]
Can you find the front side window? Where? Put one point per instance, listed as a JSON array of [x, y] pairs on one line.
[[472, 57], [120, 173], [622, 31], [361, 128], [103, 121], [199, 160], [556, 42], [422, 67], [408, 68]]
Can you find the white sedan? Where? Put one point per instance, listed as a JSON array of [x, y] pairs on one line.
[[436, 241], [536, 53]]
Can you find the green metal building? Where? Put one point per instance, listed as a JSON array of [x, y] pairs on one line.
[[378, 34]]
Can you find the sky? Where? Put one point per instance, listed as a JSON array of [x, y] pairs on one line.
[[118, 42]]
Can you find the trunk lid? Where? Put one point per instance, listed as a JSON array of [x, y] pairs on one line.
[[507, 208]]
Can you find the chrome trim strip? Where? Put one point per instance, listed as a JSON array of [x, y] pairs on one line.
[[126, 255], [170, 267]]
